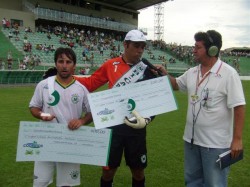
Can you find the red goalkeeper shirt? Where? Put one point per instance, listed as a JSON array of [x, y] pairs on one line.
[[110, 72]]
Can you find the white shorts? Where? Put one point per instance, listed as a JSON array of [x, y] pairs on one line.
[[68, 174]]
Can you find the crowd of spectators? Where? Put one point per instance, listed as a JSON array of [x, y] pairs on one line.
[[236, 53], [45, 48], [88, 40], [2, 64], [84, 71], [9, 60], [92, 41], [6, 23], [30, 61], [182, 53]]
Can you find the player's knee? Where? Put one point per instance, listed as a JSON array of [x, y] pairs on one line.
[[138, 174], [108, 174]]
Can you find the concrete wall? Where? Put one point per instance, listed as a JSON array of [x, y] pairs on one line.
[[11, 4], [118, 16], [15, 10], [27, 18]]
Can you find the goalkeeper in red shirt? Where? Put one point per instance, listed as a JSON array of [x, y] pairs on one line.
[[128, 138]]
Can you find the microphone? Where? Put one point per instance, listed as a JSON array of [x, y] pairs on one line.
[[151, 66]]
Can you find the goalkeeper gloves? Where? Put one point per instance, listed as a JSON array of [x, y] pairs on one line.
[[138, 123]]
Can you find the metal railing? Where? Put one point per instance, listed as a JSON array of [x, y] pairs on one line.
[[20, 76], [67, 17]]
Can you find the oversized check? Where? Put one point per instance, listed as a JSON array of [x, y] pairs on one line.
[[149, 98], [42, 141]]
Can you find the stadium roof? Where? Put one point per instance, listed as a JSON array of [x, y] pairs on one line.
[[132, 4]]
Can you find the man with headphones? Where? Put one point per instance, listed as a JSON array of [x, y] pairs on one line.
[[215, 115]]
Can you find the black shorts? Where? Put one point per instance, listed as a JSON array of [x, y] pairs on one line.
[[134, 148]]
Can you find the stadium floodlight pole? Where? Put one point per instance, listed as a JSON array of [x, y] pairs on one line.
[[159, 21]]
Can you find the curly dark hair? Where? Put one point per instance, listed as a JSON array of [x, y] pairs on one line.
[[210, 38], [67, 51]]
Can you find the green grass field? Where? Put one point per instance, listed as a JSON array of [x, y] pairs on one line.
[[164, 141]]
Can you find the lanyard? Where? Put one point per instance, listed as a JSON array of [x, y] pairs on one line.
[[198, 83], [195, 99]]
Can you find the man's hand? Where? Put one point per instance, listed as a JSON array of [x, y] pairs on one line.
[[139, 123], [75, 124], [46, 116]]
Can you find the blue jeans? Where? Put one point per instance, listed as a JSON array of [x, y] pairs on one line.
[[201, 169]]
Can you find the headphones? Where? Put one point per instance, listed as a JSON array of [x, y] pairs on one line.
[[213, 49]]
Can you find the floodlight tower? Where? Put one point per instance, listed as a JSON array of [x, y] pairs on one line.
[[159, 21]]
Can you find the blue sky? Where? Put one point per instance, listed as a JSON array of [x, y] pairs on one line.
[[183, 18]]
